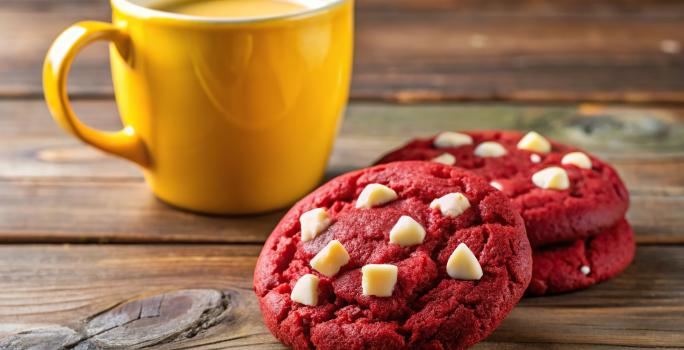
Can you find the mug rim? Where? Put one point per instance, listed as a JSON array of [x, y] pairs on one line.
[[141, 11]]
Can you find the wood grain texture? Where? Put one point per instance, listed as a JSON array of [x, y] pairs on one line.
[[56, 189], [138, 323], [646, 144], [53, 288], [113, 212], [126, 212], [558, 8], [433, 50]]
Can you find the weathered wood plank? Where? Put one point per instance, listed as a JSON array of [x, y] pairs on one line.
[[434, 50], [527, 58], [84, 211], [64, 283], [57, 190], [558, 8], [43, 287], [645, 143], [138, 323], [62, 157], [113, 212]]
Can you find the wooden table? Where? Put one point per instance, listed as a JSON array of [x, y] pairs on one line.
[[90, 258]]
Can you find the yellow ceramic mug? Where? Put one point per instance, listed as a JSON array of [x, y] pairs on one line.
[[223, 115]]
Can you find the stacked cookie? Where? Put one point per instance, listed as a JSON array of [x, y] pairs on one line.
[[573, 204], [418, 253]]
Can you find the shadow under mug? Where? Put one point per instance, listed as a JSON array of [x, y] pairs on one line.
[[224, 116]]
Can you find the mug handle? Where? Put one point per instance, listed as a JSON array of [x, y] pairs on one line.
[[125, 143]]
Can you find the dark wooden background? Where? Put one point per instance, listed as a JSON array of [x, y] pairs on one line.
[[88, 257]]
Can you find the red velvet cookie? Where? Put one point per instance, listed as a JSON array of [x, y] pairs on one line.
[[582, 263], [586, 195], [408, 255]]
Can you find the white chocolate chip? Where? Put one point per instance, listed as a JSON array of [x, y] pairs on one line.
[[330, 259], [463, 264], [535, 158], [554, 178], [490, 149], [378, 279], [534, 142], [585, 270], [305, 290], [374, 195], [313, 222], [452, 204], [407, 232], [450, 139], [496, 185], [577, 159], [445, 158]]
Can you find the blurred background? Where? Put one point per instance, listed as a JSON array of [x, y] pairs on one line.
[[590, 56], [432, 50]]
